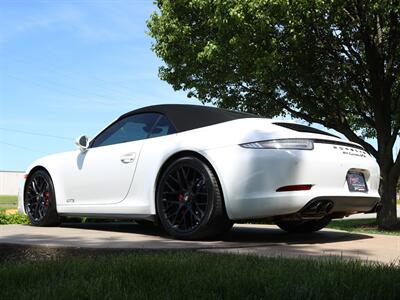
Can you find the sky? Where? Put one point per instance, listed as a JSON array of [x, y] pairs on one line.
[[69, 68]]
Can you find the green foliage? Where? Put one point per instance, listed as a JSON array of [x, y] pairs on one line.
[[13, 219], [190, 275], [317, 60]]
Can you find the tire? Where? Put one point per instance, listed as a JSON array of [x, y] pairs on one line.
[[303, 226], [40, 200], [189, 201]]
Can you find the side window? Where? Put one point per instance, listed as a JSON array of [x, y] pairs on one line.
[[129, 129], [162, 127]]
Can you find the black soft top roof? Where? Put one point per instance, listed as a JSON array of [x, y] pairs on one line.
[[187, 117]]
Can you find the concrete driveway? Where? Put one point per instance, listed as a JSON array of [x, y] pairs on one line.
[[265, 240]]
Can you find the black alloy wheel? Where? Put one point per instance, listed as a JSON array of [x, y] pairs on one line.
[[189, 201], [39, 200]]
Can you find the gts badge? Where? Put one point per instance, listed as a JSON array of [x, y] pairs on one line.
[[70, 200]]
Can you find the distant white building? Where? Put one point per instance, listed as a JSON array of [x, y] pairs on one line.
[[9, 182]]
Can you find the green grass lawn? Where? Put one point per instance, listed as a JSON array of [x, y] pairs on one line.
[[7, 202], [360, 225], [191, 275]]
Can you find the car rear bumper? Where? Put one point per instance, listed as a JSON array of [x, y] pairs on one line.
[[250, 179], [337, 206]]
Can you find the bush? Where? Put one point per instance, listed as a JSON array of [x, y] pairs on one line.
[[13, 219]]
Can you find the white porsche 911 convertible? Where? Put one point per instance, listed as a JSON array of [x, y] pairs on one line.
[[198, 169]]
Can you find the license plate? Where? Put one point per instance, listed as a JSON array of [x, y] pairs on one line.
[[356, 182]]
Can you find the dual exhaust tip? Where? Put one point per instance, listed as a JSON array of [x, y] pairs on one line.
[[317, 209]]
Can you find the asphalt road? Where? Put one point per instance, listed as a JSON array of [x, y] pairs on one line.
[[265, 240]]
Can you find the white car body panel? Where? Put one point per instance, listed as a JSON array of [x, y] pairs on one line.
[[117, 161], [248, 177]]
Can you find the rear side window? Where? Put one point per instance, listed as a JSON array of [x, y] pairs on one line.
[[162, 127], [302, 128], [129, 129]]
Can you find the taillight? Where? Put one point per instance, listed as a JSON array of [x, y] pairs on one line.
[[297, 187], [299, 144]]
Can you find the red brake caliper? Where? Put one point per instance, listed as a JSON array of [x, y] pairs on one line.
[[46, 198], [181, 198]]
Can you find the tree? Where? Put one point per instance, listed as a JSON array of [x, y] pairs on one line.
[[333, 62]]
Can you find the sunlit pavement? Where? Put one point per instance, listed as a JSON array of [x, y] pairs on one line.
[[266, 240]]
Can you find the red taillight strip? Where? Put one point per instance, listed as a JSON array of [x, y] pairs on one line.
[[297, 187]]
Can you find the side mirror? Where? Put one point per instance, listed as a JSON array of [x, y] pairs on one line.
[[82, 143]]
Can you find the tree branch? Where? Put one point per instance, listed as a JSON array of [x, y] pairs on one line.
[[345, 129]]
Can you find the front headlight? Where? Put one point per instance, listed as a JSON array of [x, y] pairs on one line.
[[301, 144]]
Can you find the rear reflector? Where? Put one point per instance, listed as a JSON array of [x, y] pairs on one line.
[[25, 176], [297, 187]]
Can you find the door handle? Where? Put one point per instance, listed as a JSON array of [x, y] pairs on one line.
[[128, 158]]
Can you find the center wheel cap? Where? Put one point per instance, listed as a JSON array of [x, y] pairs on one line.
[[186, 197]]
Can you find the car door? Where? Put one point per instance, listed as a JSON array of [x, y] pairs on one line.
[[103, 174]]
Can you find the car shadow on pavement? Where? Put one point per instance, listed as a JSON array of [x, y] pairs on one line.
[[123, 227], [253, 234], [273, 234]]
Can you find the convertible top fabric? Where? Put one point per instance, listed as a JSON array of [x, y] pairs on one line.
[[187, 117]]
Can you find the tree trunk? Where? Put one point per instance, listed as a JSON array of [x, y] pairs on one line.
[[387, 217]]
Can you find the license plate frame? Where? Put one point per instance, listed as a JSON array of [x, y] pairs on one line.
[[356, 182]]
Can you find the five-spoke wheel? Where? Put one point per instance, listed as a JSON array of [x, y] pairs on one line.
[[189, 200]]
